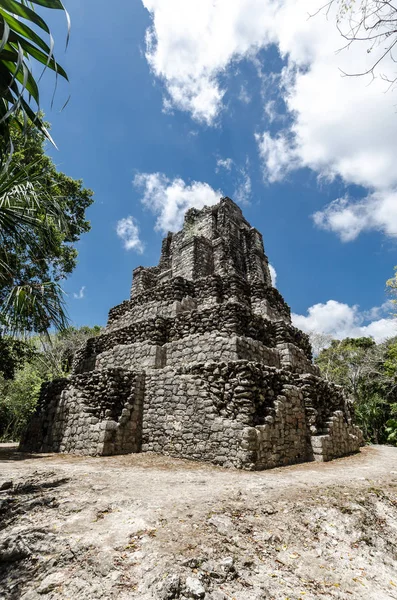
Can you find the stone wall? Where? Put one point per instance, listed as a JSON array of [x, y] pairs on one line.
[[240, 414], [229, 319], [341, 438], [150, 302], [237, 413], [202, 362], [294, 359], [283, 438], [199, 347], [131, 356], [99, 412]]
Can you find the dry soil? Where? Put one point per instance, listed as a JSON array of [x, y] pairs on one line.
[[152, 527]]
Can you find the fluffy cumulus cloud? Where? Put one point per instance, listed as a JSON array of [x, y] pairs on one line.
[[338, 126], [190, 44], [340, 320], [278, 157], [170, 199], [348, 218], [127, 229]]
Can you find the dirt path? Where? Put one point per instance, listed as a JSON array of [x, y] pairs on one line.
[[151, 527]]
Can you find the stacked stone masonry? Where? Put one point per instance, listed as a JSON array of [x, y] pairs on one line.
[[202, 362]]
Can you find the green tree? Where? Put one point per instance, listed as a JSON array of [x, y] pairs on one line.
[[18, 399], [26, 213], [42, 215], [48, 358], [368, 373], [344, 362], [371, 411], [391, 286], [13, 354], [70, 195], [55, 354], [391, 426]]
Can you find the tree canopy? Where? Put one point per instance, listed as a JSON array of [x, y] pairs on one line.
[[368, 373], [42, 215], [25, 366]]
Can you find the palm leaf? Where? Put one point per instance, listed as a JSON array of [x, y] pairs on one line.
[[42, 302], [19, 45], [22, 10], [28, 215]]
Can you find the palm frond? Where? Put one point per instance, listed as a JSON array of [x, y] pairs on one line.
[[28, 215], [20, 45], [42, 302], [26, 211]]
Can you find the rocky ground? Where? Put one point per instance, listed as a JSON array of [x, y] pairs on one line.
[[150, 527]]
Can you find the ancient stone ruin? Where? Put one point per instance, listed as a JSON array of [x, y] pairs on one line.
[[202, 362]]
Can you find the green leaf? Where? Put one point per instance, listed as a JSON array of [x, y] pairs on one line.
[[43, 58], [26, 79], [37, 121], [6, 34], [18, 27], [20, 42], [25, 12], [54, 4], [43, 301]]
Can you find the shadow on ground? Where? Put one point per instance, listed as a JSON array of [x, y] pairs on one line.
[[10, 452], [18, 551]]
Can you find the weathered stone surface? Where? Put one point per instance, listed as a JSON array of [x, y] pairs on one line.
[[202, 362]]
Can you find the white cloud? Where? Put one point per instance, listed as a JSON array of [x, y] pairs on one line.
[[170, 199], [270, 110], [277, 155], [339, 126], [377, 312], [348, 218], [224, 163], [340, 320], [127, 229], [273, 275], [190, 44], [80, 294]]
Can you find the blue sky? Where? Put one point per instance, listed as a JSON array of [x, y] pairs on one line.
[[174, 101]]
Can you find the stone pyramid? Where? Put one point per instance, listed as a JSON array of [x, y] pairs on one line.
[[202, 362]]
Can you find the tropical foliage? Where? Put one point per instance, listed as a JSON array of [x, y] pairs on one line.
[[13, 354], [26, 214], [43, 359], [368, 373], [32, 225], [42, 215], [18, 399], [26, 42]]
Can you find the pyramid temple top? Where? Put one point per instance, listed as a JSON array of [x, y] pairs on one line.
[[216, 240]]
